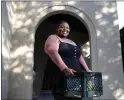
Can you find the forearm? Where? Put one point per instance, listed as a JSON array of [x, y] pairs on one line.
[[56, 58], [83, 63]]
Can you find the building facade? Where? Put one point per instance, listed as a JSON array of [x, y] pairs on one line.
[[20, 24]]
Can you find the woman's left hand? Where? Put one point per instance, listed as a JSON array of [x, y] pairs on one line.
[[89, 70]]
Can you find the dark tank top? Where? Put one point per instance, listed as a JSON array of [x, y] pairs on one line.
[[70, 55]]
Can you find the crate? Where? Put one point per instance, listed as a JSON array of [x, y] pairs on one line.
[[84, 84]]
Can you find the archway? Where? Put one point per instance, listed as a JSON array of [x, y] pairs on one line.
[[79, 34], [84, 19], [64, 9]]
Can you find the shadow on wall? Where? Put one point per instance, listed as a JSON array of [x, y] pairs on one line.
[[6, 35], [78, 34], [109, 52], [20, 16]]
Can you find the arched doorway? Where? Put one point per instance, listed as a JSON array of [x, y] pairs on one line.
[[79, 34]]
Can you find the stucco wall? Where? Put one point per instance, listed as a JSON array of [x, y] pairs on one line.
[[6, 45], [107, 50]]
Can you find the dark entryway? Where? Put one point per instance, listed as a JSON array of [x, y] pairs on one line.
[[122, 45]]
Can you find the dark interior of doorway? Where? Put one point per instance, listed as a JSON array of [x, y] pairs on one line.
[[78, 33], [122, 45]]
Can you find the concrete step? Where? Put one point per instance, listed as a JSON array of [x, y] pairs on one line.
[[44, 96], [49, 96]]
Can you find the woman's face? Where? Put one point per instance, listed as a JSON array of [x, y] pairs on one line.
[[63, 30]]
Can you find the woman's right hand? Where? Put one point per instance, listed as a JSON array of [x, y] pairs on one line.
[[69, 72]]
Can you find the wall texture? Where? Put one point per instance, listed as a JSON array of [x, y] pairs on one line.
[[6, 38], [105, 43]]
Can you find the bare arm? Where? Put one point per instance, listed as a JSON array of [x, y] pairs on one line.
[[83, 63]]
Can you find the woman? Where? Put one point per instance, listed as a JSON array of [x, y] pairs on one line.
[[64, 60]]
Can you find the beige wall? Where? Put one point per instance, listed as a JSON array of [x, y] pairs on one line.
[[6, 38], [101, 20]]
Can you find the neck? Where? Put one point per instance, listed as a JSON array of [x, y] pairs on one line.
[[61, 36]]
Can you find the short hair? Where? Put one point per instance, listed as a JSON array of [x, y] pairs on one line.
[[61, 22]]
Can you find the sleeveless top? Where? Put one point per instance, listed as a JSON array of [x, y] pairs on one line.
[[53, 76]]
